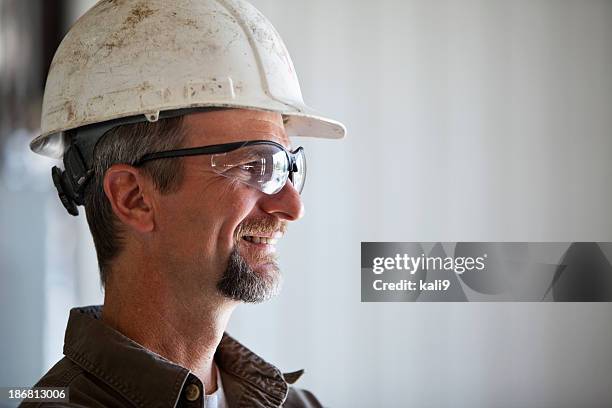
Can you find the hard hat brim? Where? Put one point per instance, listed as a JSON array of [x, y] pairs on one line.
[[302, 121], [309, 123]]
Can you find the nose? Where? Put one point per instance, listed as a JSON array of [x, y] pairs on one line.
[[286, 204]]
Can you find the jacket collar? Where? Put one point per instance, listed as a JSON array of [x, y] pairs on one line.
[[146, 378], [246, 377]]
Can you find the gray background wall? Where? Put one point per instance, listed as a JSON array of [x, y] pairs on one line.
[[468, 120]]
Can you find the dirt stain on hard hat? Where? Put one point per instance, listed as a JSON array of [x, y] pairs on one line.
[[190, 22], [145, 86], [138, 13], [69, 109]]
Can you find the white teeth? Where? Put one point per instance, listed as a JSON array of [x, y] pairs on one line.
[[261, 240]]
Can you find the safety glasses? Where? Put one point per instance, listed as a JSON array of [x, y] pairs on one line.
[[262, 164]]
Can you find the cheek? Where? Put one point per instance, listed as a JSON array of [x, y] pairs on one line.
[[187, 224], [216, 213], [203, 219], [233, 210]]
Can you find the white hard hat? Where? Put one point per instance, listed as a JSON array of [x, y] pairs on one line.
[[131, 58]]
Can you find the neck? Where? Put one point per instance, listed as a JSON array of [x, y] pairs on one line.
[[187, 331]]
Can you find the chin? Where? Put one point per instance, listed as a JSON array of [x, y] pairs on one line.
[[269, 269], [250, 280]]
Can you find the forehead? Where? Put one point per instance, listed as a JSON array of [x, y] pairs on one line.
[[234, 125]]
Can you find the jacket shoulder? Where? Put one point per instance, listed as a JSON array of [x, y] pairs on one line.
[[300, 398], [84, 389]]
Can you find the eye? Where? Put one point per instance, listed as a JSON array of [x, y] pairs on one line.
[[247, 170], [252, 166]]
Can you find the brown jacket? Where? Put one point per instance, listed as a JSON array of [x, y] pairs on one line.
[[103, 368]]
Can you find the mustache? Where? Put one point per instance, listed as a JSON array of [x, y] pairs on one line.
[[260, 226]]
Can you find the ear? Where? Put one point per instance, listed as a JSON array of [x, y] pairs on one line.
[[129, 193]]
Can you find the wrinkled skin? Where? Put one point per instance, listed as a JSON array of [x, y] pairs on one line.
[[173, 287]]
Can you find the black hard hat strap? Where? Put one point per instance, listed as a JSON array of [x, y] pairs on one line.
[[78, 157]]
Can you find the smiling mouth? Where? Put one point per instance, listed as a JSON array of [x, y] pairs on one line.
[[260, 233], [260, 249], [260, 240]]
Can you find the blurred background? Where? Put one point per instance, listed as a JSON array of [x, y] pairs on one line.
[[472, 120]]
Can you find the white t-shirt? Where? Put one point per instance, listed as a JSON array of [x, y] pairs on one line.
[[217, 398]]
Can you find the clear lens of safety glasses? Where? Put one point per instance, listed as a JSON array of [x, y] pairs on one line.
[[263, 165], [298, 173]]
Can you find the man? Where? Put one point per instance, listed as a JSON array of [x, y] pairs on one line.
[[173, 120]]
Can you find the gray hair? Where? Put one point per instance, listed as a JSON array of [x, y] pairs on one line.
[[127, 144]]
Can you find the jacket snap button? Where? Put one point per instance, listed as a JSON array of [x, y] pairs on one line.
[[192, 392]]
